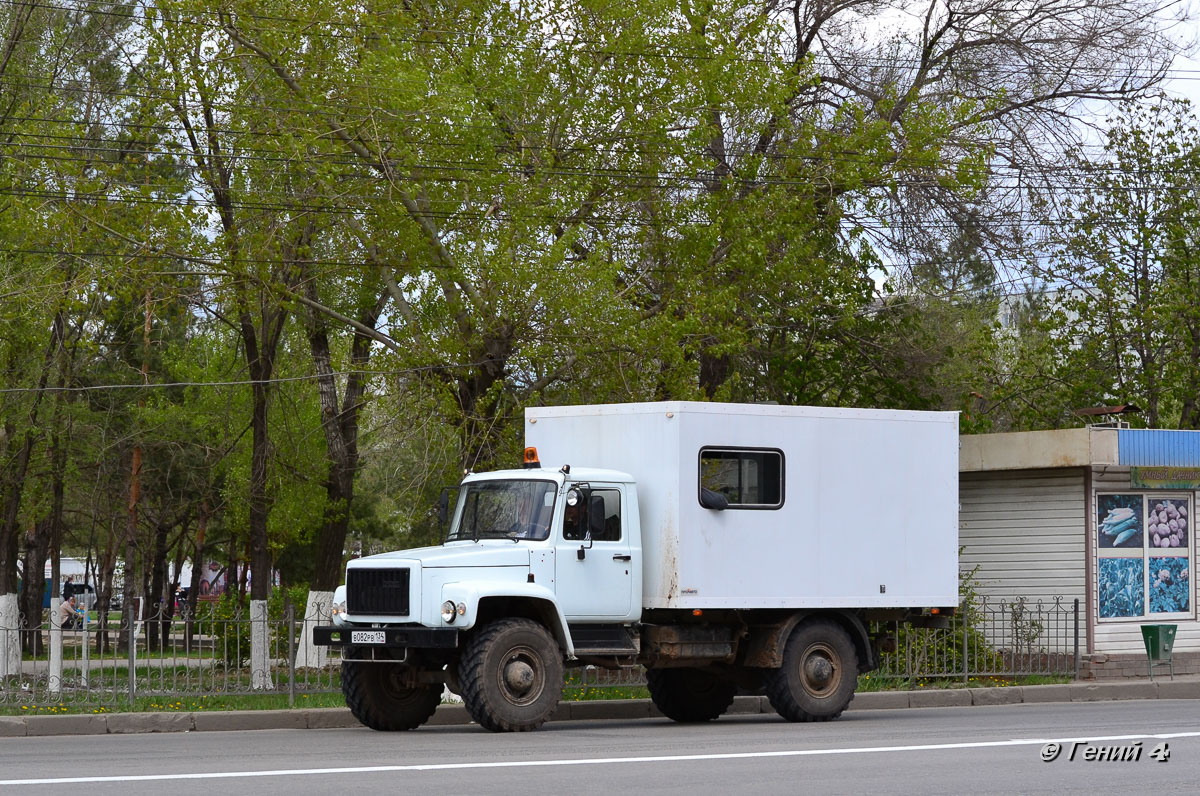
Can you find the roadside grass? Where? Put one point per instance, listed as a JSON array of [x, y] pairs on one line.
[[878, 682], [589, 684], [182, 704], [576, 689], [227, 702], [187, 678], [590, 693]]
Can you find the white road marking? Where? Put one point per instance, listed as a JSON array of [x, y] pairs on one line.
[[291, 772]]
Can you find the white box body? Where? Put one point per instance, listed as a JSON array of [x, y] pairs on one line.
[[869, 516]]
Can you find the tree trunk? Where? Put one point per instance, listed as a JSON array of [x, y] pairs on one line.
[[714, 372], [339, 421], [478, 424], [135, 492], [173, 583], [18, 455], [37, 550], [14, 488], [260, 553], [198, 565], [158, 612], [106, 567]]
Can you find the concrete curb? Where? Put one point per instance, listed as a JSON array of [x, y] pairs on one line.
[[624, 709]]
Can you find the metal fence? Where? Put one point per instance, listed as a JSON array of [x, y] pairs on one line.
[[182, 661], [170, 659], [993, 638]]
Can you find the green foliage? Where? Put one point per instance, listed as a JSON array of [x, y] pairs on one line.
[[939, 652], [227, 620], [520, 204], [223, 619], [1128, 269]]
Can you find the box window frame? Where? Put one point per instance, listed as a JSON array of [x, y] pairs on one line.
[[739, 450]]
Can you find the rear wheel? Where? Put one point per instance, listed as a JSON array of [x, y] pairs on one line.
[[378, 696], [690, 695], [512, 676], [818, 676]]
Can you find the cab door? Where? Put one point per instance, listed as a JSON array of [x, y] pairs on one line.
[[596, 583]]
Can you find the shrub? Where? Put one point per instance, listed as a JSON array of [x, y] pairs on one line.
[[933, 652]]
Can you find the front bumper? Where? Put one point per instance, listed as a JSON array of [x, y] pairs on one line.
[[406, 637]]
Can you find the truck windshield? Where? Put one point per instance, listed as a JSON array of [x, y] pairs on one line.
[[510, 509]]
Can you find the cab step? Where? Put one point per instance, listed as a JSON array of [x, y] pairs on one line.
[[592, 640]]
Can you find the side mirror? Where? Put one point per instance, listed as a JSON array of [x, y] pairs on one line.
[[710, 499], [580, 497], [443, 506]]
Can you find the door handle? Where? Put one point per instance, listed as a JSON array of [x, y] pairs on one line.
[[622, 557]]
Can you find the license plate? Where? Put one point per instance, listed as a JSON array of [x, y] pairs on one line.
[[368, 637]]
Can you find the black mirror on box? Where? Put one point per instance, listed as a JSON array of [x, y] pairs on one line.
[[714, 500]]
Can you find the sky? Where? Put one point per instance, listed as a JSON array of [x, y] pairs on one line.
[[1185, 71]]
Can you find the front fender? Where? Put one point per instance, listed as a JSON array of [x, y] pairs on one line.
[[471, 593]]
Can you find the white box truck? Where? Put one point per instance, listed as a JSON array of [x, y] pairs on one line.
[[722, 546]]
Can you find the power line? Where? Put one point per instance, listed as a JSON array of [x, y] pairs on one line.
[[243, 154], [239, 383], [314, 28]]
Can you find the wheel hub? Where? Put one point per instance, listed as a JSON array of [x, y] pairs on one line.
[[518, 676], [818, 671]]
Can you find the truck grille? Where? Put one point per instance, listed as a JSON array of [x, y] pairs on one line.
[[377, 591]]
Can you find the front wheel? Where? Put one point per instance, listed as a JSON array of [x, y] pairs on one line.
[[818, 676], [378, 696], [512, 676]]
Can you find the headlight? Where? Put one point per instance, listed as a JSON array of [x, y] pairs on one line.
[[339, 613], [450, 610]]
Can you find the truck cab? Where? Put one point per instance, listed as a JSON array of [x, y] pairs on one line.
[[558, 548], [579, 531]]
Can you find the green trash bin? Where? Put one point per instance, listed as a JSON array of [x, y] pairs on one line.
[[1159, 641]]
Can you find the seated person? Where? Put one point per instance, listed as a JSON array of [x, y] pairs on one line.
[[68, 614], [572, 525]]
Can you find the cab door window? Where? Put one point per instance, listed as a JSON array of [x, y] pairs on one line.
[[598, 514]]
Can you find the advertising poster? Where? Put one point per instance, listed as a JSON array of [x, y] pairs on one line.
[[1119, 521], [1167, 524], [1122, 589], [1170, 585], [1143, 555]]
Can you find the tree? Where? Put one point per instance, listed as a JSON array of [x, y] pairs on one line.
[[487, 237], [58, 73], [903, 144], [1127, 267]]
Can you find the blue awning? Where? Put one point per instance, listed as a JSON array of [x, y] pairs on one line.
[[1143, 447]]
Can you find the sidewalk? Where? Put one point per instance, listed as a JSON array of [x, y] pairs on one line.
[[325, 718]]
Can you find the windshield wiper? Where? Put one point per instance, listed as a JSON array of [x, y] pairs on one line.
[[476, 535], [496, 533]]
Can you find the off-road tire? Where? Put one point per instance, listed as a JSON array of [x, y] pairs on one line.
[[379, 701], [512, 675], [818, 676], [690, 695]]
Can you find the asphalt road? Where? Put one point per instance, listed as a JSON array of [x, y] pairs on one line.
[[974, 750]]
